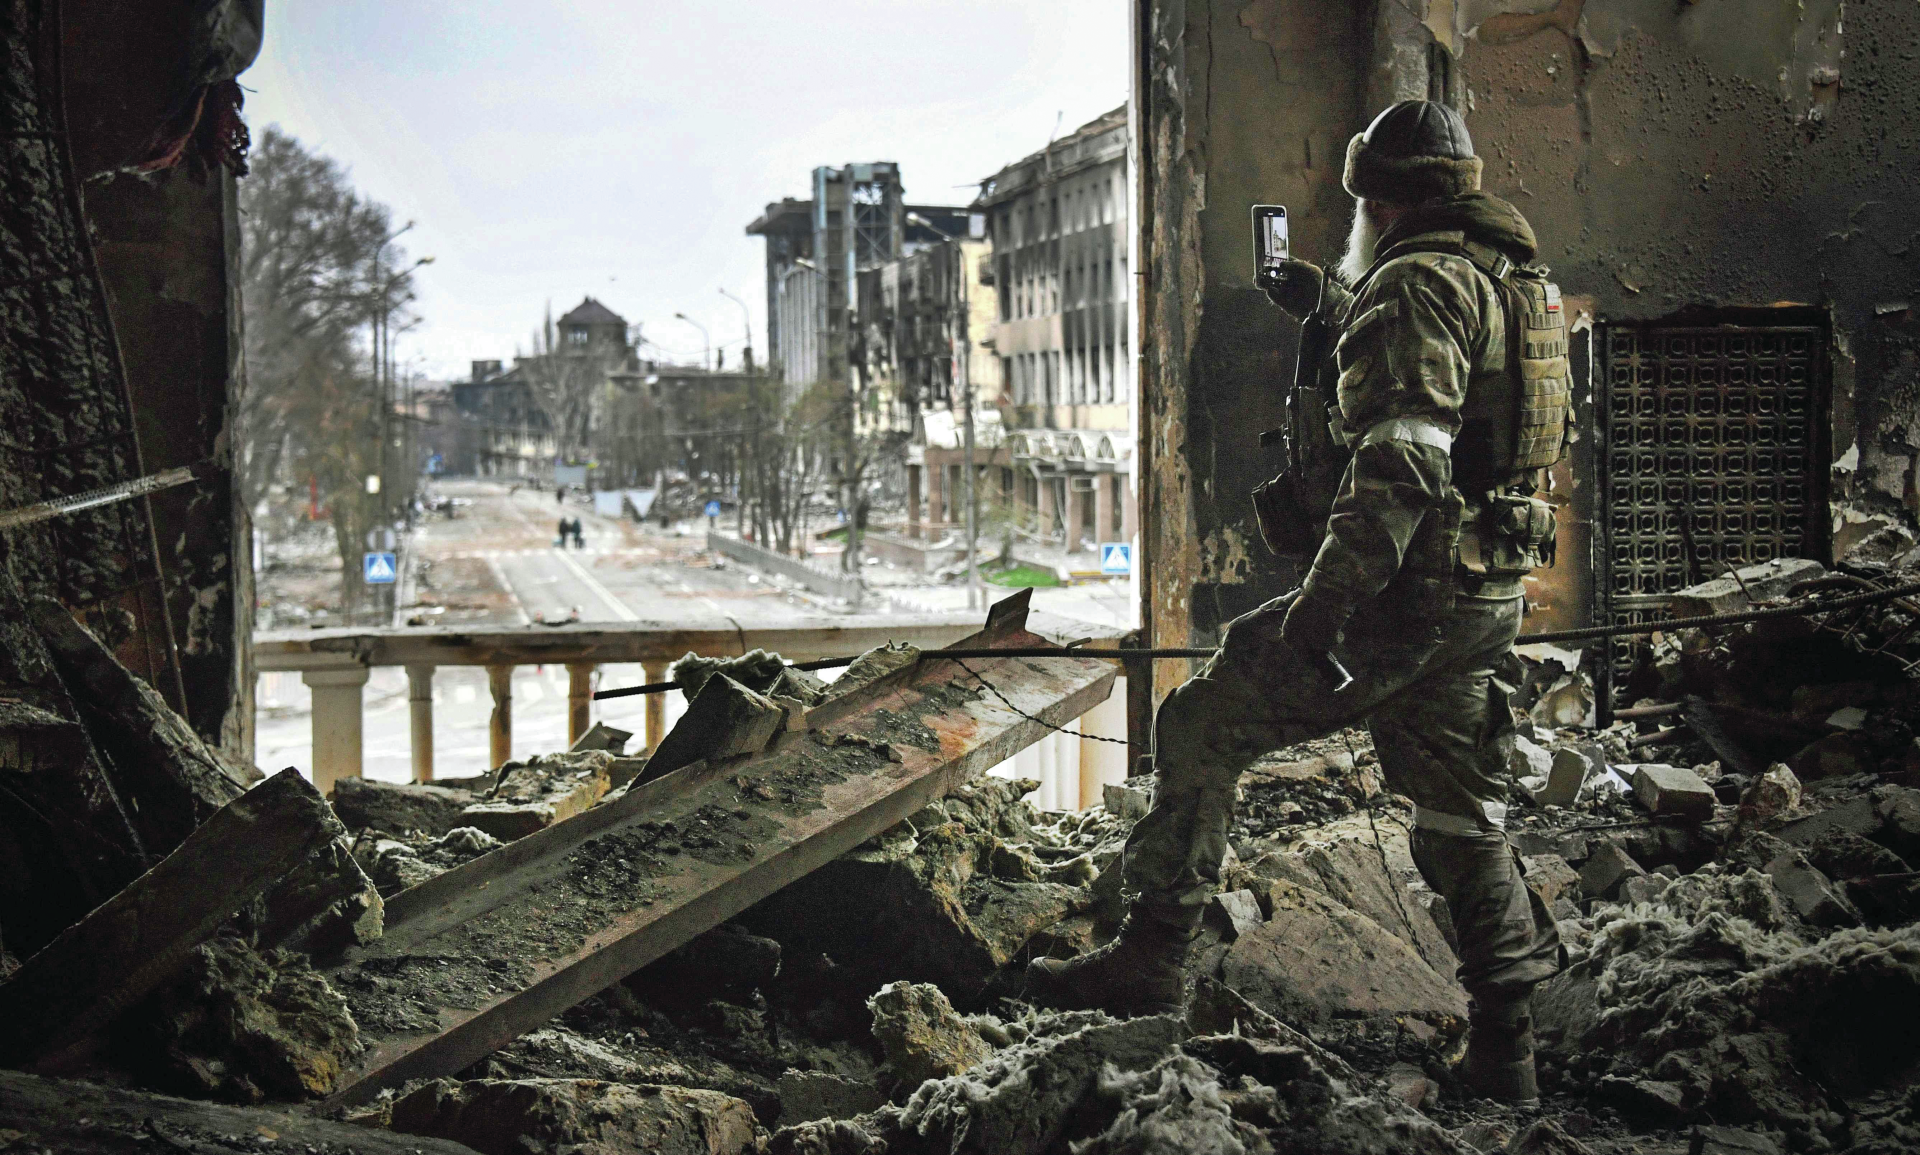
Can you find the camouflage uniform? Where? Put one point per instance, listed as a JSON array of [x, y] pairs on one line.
[[1429, 651]]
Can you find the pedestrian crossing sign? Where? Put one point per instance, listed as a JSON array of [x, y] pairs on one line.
[[1116, 557], [379, 569]]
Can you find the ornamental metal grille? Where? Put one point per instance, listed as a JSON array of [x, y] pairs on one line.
[[1711, 456]]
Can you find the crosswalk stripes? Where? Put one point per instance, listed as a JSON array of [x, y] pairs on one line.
[[496, 554]]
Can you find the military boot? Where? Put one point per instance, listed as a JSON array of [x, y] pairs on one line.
[[1499, 1061], [1141, 972]]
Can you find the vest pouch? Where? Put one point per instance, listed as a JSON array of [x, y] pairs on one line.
[[1511, 537]]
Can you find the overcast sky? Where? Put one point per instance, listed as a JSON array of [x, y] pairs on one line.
[[550, 149]]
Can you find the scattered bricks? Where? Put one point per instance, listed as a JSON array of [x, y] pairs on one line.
[[1551, 877], [1740, 590], [1672, 792], [1127, 802], [1811, 894], [922, 1035], [809, 1095], [601, 736], [724, 720], [1234, 913], [1770, 795], [1710, 1140], [1529, 760], [397, 807], [1565, 778], [1606, 869]]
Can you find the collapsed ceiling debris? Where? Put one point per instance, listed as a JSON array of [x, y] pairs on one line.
[[809, 936]]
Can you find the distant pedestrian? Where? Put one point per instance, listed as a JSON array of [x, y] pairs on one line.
[[559, 494], [561, 541], [578, 541]]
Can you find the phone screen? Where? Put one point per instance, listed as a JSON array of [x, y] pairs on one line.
[[1269, 238]]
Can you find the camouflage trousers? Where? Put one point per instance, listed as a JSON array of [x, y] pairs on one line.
[[1430, 692]]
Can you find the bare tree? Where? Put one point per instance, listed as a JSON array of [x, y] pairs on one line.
[[569, 384], [318, 276]]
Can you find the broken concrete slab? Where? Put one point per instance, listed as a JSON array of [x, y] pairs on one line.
[[723, 720], [1566, 777], [139, 938], [1544, 1137], [1810, 892], [809, 1095], [1125, 800], [1708, 1139], [1672, 792], [1233, 913], [1353, 873], [1316, 960], [1771, 795], [1744, 588], [1529, 760], [1605, 869], [1643, 887], [510, 1118], [1551, 878], [398, 807], [922, 1035], [601, 736], [75, 1118], [533, 795]]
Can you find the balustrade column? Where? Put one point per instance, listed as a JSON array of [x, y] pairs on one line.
[[336, 724], [420, 711], [579, 700], [656, 704], [500, 730]]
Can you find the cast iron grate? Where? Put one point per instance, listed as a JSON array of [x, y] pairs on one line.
[[1711, 456]]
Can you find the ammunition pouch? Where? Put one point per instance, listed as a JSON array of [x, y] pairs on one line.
[[1285, 525], [1511, 536]]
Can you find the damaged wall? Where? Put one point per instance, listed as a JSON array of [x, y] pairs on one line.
[[1722, 154], [167, 246], [1238, 104]]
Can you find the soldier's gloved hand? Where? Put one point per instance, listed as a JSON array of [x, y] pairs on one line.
[[1312, 625], [1295, 286]]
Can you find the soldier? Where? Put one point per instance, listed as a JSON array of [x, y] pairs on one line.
[[1452, 391]]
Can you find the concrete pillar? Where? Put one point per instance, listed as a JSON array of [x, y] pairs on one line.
[[1129, 508], [656, 671], [1103, 508], [579, 699], [1103, 763], [1076, 515], [336, 724], [500, 730], [936, 497], [913, 500], [420, 717]]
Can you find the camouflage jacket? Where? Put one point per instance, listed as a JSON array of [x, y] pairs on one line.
[[1421, 326]]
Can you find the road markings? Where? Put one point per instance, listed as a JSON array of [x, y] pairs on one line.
[[619, 608], [506, 587]]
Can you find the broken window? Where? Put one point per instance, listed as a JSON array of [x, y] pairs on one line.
[[1712, 454]]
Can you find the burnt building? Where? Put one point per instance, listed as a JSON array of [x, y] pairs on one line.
[[503, 430], [1715, 189], [1058, 224]]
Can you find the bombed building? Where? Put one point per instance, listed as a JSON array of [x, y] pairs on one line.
[[1554, 789]]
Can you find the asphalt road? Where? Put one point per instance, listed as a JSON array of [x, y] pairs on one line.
[[499, 556]]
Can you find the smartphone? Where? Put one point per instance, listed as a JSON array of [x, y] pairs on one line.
[[1270, 249]]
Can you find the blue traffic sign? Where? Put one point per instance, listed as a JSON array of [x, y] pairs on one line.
[[713, 509], [379, 569], [1116, 557]]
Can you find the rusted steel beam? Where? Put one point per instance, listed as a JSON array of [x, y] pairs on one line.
[[476, 957]]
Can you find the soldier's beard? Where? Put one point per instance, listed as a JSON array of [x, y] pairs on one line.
[[1362, 239]]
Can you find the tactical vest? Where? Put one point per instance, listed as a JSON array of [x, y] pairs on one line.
[[1519, 421]]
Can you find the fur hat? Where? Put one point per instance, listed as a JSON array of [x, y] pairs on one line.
[[1414, 151]]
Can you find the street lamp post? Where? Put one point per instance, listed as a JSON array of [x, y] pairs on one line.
[[961, 339], [707, 363], [746, 321]]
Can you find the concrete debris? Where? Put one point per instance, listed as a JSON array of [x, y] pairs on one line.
[[724, 719], [533, 795], [1672, 792], [1606, 869], [578, 1117], [1774, 794], [1544, 1137], [809, 1095], [398, 807], [1745, 588], [1557, 884], [1126, 801], [242, 1025], [1811, 894], [601, 736], [1529, 760], [396, 865], [1707, 1139], [922, 1035], [39, 1115], [1567, 776], [757, 670], [1234, 913]]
